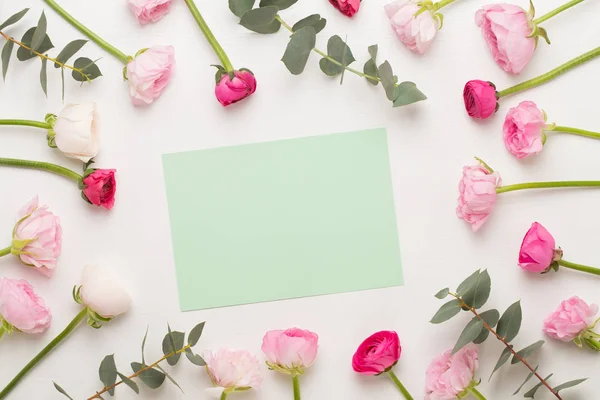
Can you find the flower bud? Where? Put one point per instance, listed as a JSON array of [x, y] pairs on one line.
[[231, 90]]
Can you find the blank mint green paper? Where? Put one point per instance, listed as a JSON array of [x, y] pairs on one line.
[[285, 219]]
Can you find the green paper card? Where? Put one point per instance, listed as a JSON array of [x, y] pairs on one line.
[[285, 219]]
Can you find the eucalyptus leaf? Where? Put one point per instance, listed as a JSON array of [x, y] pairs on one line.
[[241, 7], [23, 54], [298, 49], [527, 351], [480, 287], [529, 376], [442, 294], [570, 384], [194, 358], [6, 54], [387, 80], [313, 20], [408, 93], [531, 393], [502, 360], [510, 322], [108, 372], [69, 51], [173, 342], [150, 377], [468, 283], [39, 34], [280, 4], [195, 334], [13, 19], [261, 20], [371, 69], [490, 317], [62, 391], [44, 76], [169, 377], [470, 333], [144, 345], [89, 68], [447, 311], [129, 383], [338, 50]]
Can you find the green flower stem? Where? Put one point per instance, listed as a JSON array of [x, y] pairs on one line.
[[552, 74], [579, 267], [546, 185], [399, 385], [209, 36], [86, 31], [575, 131], [25, 122], [56, 341], [56, 169], [5, 252], [552, 13], [477, 394], [223, 395], [296, 384], [326, 56], [444, 3]]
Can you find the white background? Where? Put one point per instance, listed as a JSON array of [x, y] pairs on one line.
[[429, 144]]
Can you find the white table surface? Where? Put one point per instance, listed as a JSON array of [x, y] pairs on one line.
[[429, 144]]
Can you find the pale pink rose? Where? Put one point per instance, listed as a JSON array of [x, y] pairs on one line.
[[480, 99], [22, 308], [537, 250], [477, 195], [148, 74], [448, 376], [524, 130], [76, 131], [506, 28], [37, 237], [290, 351], [149, 10], [230, 91], [231, 369], [415, 32], [570, 319], [346, 7], [377, 353], [103, 293]]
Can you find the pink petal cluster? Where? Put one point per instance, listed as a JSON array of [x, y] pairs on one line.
[[230, 91], [148, 74], [506, 28], [537, 250], [41, 231], [147, 11], [477, 197], [231, 369], [377, 353], [480, 99], [449, 375], [291, 349], [523, 130], [346, 7], [415, 32], [570, 319], [22, 308], [100, 187]]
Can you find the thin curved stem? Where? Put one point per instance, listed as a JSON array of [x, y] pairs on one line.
[[546, 185], [223, 395], [296, 385], [55, 342], [477, 393], [25, 122], [552, 74], [5, 252], [399, 385], [556, 11], [209, 35], [444, 3], [86, 31], [576, 131], [579, 267], [56, 169]]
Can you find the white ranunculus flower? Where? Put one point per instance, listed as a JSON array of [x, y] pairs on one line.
[[76, 131], [104, 294]]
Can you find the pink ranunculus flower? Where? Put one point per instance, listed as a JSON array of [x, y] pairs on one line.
[[377, 354], [290, 351], [37, 237], [477, 195], [149, 10], [148, 74], [524, 130], [570, 319], [232, 370], [22, 308], [538, 249], [416, 32], [506, 28], [346, 7], [229, 91], [449, 376], [480, 99], [99, 187]]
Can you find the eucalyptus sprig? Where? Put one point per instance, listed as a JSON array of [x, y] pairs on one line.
[[36, 43], [336, 61], [470, 296], [152, 375]]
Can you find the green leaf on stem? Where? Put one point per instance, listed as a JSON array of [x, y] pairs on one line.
[[173, 342], [447, 311], [529, 376], [261, 20], [150, 377], [23, 54], [195, 334], [408, 93], [241, 7], [570, 384], [129, 383], [386, 75], [313, 20], [62, 391], [468, 283], [89, 68], [480, 286], [470, 333], [442, 294], [6, 54], [108, 372], [44, 76], [531, 393], [169, 377], [298, 49], [144, 345], [490, 317], [510, 322], [194, 358], [39, 34], [502, 360], [338, 50], [527, 351], [69, 51], [13, 19], [280, 4], [371, 69]]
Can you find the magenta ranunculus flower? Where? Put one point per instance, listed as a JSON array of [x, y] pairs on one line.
[[377, 354], [149, 73], [230, 91], [573, 321], [524, 130], [99, 187], [291, 350], [416, 32], [147, 11], [450, 376], [507, 29], [538, 250], [346, 7], [477, 194], [37, 237], [480, 99], [21, 308]]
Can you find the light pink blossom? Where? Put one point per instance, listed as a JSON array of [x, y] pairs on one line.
[[149, 73], [231, 369], [416, 32], [149, 10], [570, 319], [524, 130], [537, 250], [377, 353], [291, 350], [477, 197], [448, 376], [22, 308]]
